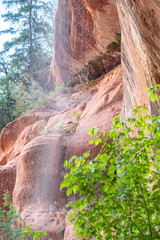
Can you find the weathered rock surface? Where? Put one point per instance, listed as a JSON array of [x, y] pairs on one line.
[[88, 27], [37, 192], [31, 164], [99, 112], [140, 29], [7, 178], [83, 29], [16, 134], [40, 159], [39, 167]]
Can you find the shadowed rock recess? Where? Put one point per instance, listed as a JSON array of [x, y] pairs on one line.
[[88, 47]]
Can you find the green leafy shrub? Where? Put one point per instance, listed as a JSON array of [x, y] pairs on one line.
[[112, 46], [77, 115], [154, 93], [42, 127], [12, 226], [7, 102], [61, 89], [59, 126], [29, 96], [119, 189], [118, 37]]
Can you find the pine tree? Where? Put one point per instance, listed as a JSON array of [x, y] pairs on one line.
[[28, 49], [7, 102]]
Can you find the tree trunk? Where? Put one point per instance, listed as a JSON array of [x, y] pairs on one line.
[[31, 49]]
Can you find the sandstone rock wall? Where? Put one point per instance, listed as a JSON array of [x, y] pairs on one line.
[[31, 159], [31, 164], [140, 30], [83, 29]]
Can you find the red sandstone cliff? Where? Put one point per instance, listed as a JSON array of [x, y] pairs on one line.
[[140, 25], [31, 164], [83, 30]]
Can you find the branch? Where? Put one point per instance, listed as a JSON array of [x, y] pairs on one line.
[[3, 69], [150, 228]]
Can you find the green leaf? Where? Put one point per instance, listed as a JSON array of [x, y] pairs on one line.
[[97, 141], [92, 132], [86, 155], [69, 191], [75, 189], [117, 190], [71, 216]]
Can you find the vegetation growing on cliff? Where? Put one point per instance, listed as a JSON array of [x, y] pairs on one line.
[[119, 189]]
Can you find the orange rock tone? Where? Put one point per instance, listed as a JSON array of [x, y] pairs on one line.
[[33, 148], [33, 166], [83, 29], [140, 30]]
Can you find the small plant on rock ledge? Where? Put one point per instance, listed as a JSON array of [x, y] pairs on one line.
[[119, 189], [77, 115], [59, 126]]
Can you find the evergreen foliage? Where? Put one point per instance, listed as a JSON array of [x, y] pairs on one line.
[[28, 51], [118, 191], [7, 102]]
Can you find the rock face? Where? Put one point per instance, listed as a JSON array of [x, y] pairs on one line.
[[16, 134], [99, 112], [34, 147], [34, 167], [84, 29], [37, 192], [140, 29], [7, 178], [88, 27]]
